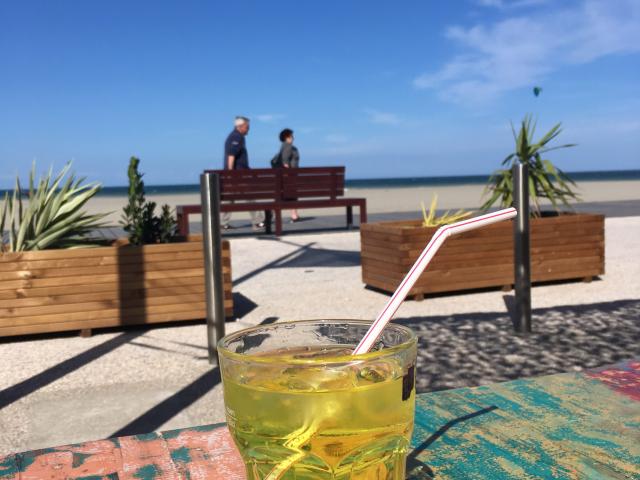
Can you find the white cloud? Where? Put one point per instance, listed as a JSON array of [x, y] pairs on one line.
[[382, 118], [269, 117], [336, 138], [520, 51], [506, 4]]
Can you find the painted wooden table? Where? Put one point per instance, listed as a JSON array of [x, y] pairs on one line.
[[568, 426]]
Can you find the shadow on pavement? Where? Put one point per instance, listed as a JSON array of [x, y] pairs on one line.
[[322, 257], [50, 375], [305, 256], [157, 416], [242, 305]]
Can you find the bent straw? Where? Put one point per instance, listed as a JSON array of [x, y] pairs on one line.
[[421, 264], [295, 441]]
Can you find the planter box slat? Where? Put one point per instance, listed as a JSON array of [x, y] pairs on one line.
[[473, 272], [62, 305], [562, 247], [587, 259], [118, 251], [551, 237], [24, 311], [442, 268], [102, 270], [564, 275], [418, 234], [490, 257], [564, 220], [149, 286], [57, 290], [435, 284], [94, 261], [99, 323], [92, 271], [91, 295], [96, 279], [459, 245], [443, 261], [105, 313]]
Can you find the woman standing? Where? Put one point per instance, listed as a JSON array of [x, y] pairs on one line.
[[289, 157]]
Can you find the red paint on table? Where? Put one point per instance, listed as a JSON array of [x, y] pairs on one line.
[[623, 378], [198, 453]]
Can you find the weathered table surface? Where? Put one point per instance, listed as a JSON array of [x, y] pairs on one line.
[[573, 425]]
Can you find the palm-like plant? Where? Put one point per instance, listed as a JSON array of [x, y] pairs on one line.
[[545, 179], [53, 216]]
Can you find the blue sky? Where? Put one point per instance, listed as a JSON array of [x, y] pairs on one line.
[[415, 88]]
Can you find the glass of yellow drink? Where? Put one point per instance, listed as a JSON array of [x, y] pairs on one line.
[[300, 406]]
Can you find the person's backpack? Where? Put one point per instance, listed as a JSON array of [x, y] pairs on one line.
[[276, 161]]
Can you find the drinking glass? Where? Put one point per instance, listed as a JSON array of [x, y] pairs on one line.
[[300, 406]]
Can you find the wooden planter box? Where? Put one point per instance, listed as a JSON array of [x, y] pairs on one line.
[[58, 290], [562, 248]]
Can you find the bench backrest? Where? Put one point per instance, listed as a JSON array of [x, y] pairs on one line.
[[281, 183]]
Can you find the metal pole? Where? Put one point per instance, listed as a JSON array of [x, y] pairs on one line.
[[212, 245], [522, 260]]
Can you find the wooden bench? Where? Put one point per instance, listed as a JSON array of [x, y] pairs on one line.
[[278, 189]]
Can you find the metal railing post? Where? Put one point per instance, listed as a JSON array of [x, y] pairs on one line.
[[522, 260], [212, 246]]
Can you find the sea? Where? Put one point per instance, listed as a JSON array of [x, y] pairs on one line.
[[398, 182]]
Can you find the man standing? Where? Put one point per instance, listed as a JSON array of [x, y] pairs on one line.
[[237, 158]]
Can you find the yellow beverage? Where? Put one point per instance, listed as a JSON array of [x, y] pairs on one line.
[[314, 413]]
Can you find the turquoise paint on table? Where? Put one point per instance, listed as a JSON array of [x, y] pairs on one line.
[[566, 426]]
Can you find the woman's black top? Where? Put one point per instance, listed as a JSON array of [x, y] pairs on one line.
[[289, 155]]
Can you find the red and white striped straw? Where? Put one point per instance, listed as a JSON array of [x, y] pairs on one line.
[[421, 264]]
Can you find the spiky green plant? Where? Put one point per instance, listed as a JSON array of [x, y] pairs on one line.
[[545, 179], [431, 219], [54, 215], [167, 225], [139, 219]]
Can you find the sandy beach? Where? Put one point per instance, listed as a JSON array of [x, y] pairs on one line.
[[401, 199]]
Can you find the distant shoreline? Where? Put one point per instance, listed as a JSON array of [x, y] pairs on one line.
[[398, 182], [387, 198], [383, 183]]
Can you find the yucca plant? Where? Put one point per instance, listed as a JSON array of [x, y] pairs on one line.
[[53, 216], [431, 219], [545, 179]]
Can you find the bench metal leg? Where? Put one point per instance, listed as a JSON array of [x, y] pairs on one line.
[[268, 217], [278, 222], [363, 213], [183, 223], [349, 216]]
